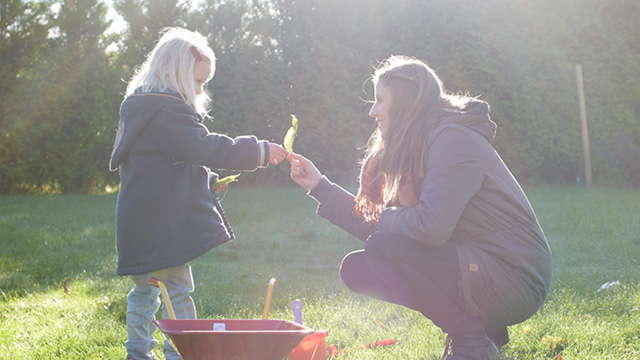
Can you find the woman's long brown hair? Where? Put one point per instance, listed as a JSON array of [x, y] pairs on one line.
[[417, 95]]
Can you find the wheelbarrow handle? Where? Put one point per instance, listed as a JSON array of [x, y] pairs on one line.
[[267, 302], [165, 295]]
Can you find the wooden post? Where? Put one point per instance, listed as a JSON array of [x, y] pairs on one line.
[[585, 129]]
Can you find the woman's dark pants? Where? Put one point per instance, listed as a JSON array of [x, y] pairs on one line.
[[396, 269]]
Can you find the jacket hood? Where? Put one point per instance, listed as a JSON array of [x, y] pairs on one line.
[[135, 112], [474, 115]]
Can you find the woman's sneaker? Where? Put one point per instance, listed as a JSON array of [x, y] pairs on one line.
[[478, 347]]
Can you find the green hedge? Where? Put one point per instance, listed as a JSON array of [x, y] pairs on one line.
[[313, 59]]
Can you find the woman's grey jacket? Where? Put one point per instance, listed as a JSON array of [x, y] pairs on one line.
[[469, 198]]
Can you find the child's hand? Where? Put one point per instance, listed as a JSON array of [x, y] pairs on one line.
[[277, 153], [303, 171]]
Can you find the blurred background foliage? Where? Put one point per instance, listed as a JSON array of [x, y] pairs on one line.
[[64, 70]]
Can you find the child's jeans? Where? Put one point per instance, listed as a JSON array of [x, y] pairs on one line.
[[143, 303]]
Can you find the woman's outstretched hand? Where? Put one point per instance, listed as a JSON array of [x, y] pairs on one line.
[[303, 171]]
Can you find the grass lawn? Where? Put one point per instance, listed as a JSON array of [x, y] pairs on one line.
[[594, 234]]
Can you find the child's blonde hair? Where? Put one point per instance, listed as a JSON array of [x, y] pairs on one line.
[[169, 67]]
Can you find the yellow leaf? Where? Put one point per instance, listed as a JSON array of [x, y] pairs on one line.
[[291, 133], [527, 329], [225, 180], [553, 342]]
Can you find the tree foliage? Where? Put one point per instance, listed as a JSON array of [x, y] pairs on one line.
[[62, 88]]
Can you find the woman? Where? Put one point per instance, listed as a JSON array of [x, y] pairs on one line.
[[448, 230]]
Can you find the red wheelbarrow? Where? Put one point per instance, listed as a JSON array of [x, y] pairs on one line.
[[233, 339], [218, 339]]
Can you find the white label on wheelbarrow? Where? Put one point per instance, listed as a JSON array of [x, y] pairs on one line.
[[219, 327]]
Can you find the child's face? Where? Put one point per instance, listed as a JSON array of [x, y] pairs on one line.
[[201, 72]]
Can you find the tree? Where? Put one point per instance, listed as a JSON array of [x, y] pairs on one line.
[[312, 58], [23, 35], [68, 104], [145, 19]]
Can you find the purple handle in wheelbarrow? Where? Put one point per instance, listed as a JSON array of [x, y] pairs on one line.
[[296, 305]]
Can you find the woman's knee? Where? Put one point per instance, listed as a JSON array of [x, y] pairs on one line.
[[380, 245], [352, 264]]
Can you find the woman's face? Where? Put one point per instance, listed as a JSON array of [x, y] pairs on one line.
[[381, 106]]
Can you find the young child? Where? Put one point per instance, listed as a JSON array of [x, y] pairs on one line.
[[167, 214]]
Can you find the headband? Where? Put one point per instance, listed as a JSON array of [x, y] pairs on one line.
[[199, 56]]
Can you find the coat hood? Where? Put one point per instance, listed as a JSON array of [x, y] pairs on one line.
[[474, 116], [135, 112]]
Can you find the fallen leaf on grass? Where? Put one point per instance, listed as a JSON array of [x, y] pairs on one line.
[[526, 330], [64, 287], [553, 342], [382, 324], [612, 285]]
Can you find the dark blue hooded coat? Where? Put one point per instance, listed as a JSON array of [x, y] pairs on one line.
[[167, 214]]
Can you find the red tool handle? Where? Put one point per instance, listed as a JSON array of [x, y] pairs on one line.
[[333, 350], [380, 343]]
